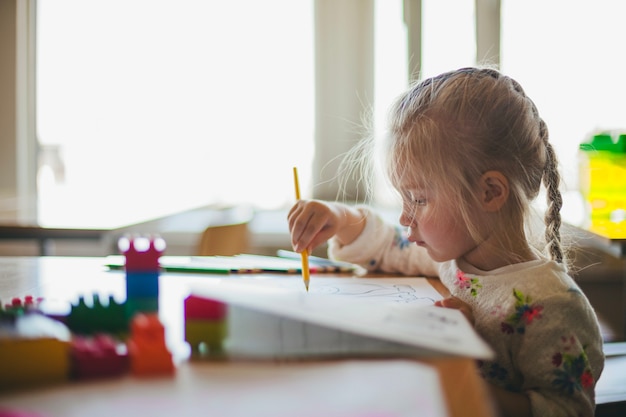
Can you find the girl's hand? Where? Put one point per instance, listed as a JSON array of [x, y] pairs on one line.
[[453, 302], [313, 222]]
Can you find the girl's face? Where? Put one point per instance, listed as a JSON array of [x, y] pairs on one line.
[[434, 224]]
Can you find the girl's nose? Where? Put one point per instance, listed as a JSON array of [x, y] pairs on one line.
[[406, 220]]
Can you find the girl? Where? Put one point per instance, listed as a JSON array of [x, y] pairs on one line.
[[467, 152]]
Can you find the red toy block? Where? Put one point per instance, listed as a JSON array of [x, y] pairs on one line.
[[17, 306], [142, 253], [146, 347], [204, 308], [97, 357]]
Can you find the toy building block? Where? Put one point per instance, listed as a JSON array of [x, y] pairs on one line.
[[33, 352], [146, 347], [204, 308], [98, 318], [205, 326], [142, 253], [142, 292], [97, 357], [144, 305], [142, 273], [142, 284], [206, 338], [28, 303], [29, 362], [19, 307]]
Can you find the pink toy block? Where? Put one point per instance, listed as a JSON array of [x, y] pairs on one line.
[[97, 357], [142, 253], [204, 308]]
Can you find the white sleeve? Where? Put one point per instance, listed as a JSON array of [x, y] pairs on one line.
[[383, 247]]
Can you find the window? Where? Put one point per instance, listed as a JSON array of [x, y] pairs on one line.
[[147, 107], [448, 42], [569, 56], [449, 39]]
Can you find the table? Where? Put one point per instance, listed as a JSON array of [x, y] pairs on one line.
[[202, 388], [44, 235], [188, 222]]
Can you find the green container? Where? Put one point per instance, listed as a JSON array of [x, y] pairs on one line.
[[602, 182]]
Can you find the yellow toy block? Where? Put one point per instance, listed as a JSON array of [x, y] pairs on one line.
[[206, 337], [29, 362]]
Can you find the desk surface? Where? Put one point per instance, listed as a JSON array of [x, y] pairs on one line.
[[334, 387]]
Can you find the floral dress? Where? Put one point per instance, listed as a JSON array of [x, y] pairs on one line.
[[541, 326]]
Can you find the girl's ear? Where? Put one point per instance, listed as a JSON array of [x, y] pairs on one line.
[[494, 188]]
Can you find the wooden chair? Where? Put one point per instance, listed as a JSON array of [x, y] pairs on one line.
[[228, 235]]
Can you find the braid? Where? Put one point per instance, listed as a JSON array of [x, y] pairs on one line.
[[551, 180]]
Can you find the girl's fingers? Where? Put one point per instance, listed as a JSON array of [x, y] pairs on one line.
[[306, 220], [455, 303]]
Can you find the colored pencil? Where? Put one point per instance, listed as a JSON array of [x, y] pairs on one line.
[[305, 253]]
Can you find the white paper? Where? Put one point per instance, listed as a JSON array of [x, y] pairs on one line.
[[349, 316]]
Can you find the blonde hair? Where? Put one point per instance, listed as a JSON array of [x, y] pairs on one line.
[[460, 124]]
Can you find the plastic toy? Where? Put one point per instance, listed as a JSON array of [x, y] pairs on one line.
[[146, 347], [142, 253], [142, 273], [33, 352], [205, 326], [26, 362], [97, 357], [19, 307], [33, 348], [97, 318]]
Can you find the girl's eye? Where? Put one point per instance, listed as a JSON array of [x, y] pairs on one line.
[[415, 200]]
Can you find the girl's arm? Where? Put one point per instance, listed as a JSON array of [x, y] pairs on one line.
[[383, 247], [357, 235]]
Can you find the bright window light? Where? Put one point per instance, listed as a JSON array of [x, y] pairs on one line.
[[569, 57], [148, 107]]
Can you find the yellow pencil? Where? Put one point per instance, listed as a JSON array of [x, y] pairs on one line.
[[305, 253]]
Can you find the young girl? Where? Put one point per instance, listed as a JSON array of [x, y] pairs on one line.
[[467, 152]]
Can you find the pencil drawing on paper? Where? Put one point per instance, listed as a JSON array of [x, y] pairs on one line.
[[393, 293]]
